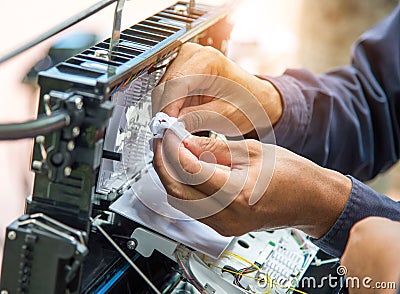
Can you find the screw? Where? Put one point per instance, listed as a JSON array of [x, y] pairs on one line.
[[78, 103], [40, 139], [67, 171], [103, 54], [47, 106], [37, 165], [71, 145], [75, 132], [181, 9], [131, 244], [12, 235], [46, 98]]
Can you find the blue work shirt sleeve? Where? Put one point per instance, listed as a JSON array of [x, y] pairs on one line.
[[363, 202]]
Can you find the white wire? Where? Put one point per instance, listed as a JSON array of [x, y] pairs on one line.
[[319, 262]]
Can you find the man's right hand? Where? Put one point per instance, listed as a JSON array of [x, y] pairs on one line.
[[237, 187], [205, 89]]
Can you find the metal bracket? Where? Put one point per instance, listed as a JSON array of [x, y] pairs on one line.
[[116, 30], [148, 241]]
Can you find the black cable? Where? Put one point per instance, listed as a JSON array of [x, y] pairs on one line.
[[33, 128], [59, 28], [112, 155]]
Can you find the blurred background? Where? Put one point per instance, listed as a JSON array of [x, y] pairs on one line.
[[269, 36], [272, 35]]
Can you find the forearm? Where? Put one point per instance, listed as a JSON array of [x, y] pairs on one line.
[[327, 193]]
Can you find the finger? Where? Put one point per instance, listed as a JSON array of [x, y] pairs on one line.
[[193, 69], [185, 198], [219, 149], [217, 175], [218, 116], [195, 100], [185, 53], [226, 153], [183, 84], [193, 172], [173, 188], [193, 200], [184, 167], [158, 105], [223, 183]]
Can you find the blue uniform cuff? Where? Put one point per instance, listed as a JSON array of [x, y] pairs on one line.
[[363, 202], [294, 119]]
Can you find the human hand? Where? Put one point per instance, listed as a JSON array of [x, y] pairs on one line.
[[202, 87], [373, 252], [240, 186]]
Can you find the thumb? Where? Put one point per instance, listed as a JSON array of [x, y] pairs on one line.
[[208, 149], [216, 151]]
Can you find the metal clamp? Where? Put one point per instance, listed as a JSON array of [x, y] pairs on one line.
[[53, 227]]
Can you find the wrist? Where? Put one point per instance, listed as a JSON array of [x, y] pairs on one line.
[[264, 91], [330, 193], [270, 100]]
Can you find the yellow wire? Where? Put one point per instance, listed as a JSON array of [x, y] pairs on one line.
[[269, 283], [269, 279], [298, 291], [233, 272], [237, 256]]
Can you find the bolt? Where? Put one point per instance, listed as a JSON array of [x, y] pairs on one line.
[[181, 9], [37, 165], [47, 106], [71, 145], [75, 132], [46, 98], [12, 235], [40, 139], [100, 53], [131, 244], [67, 171], [78, 103]]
